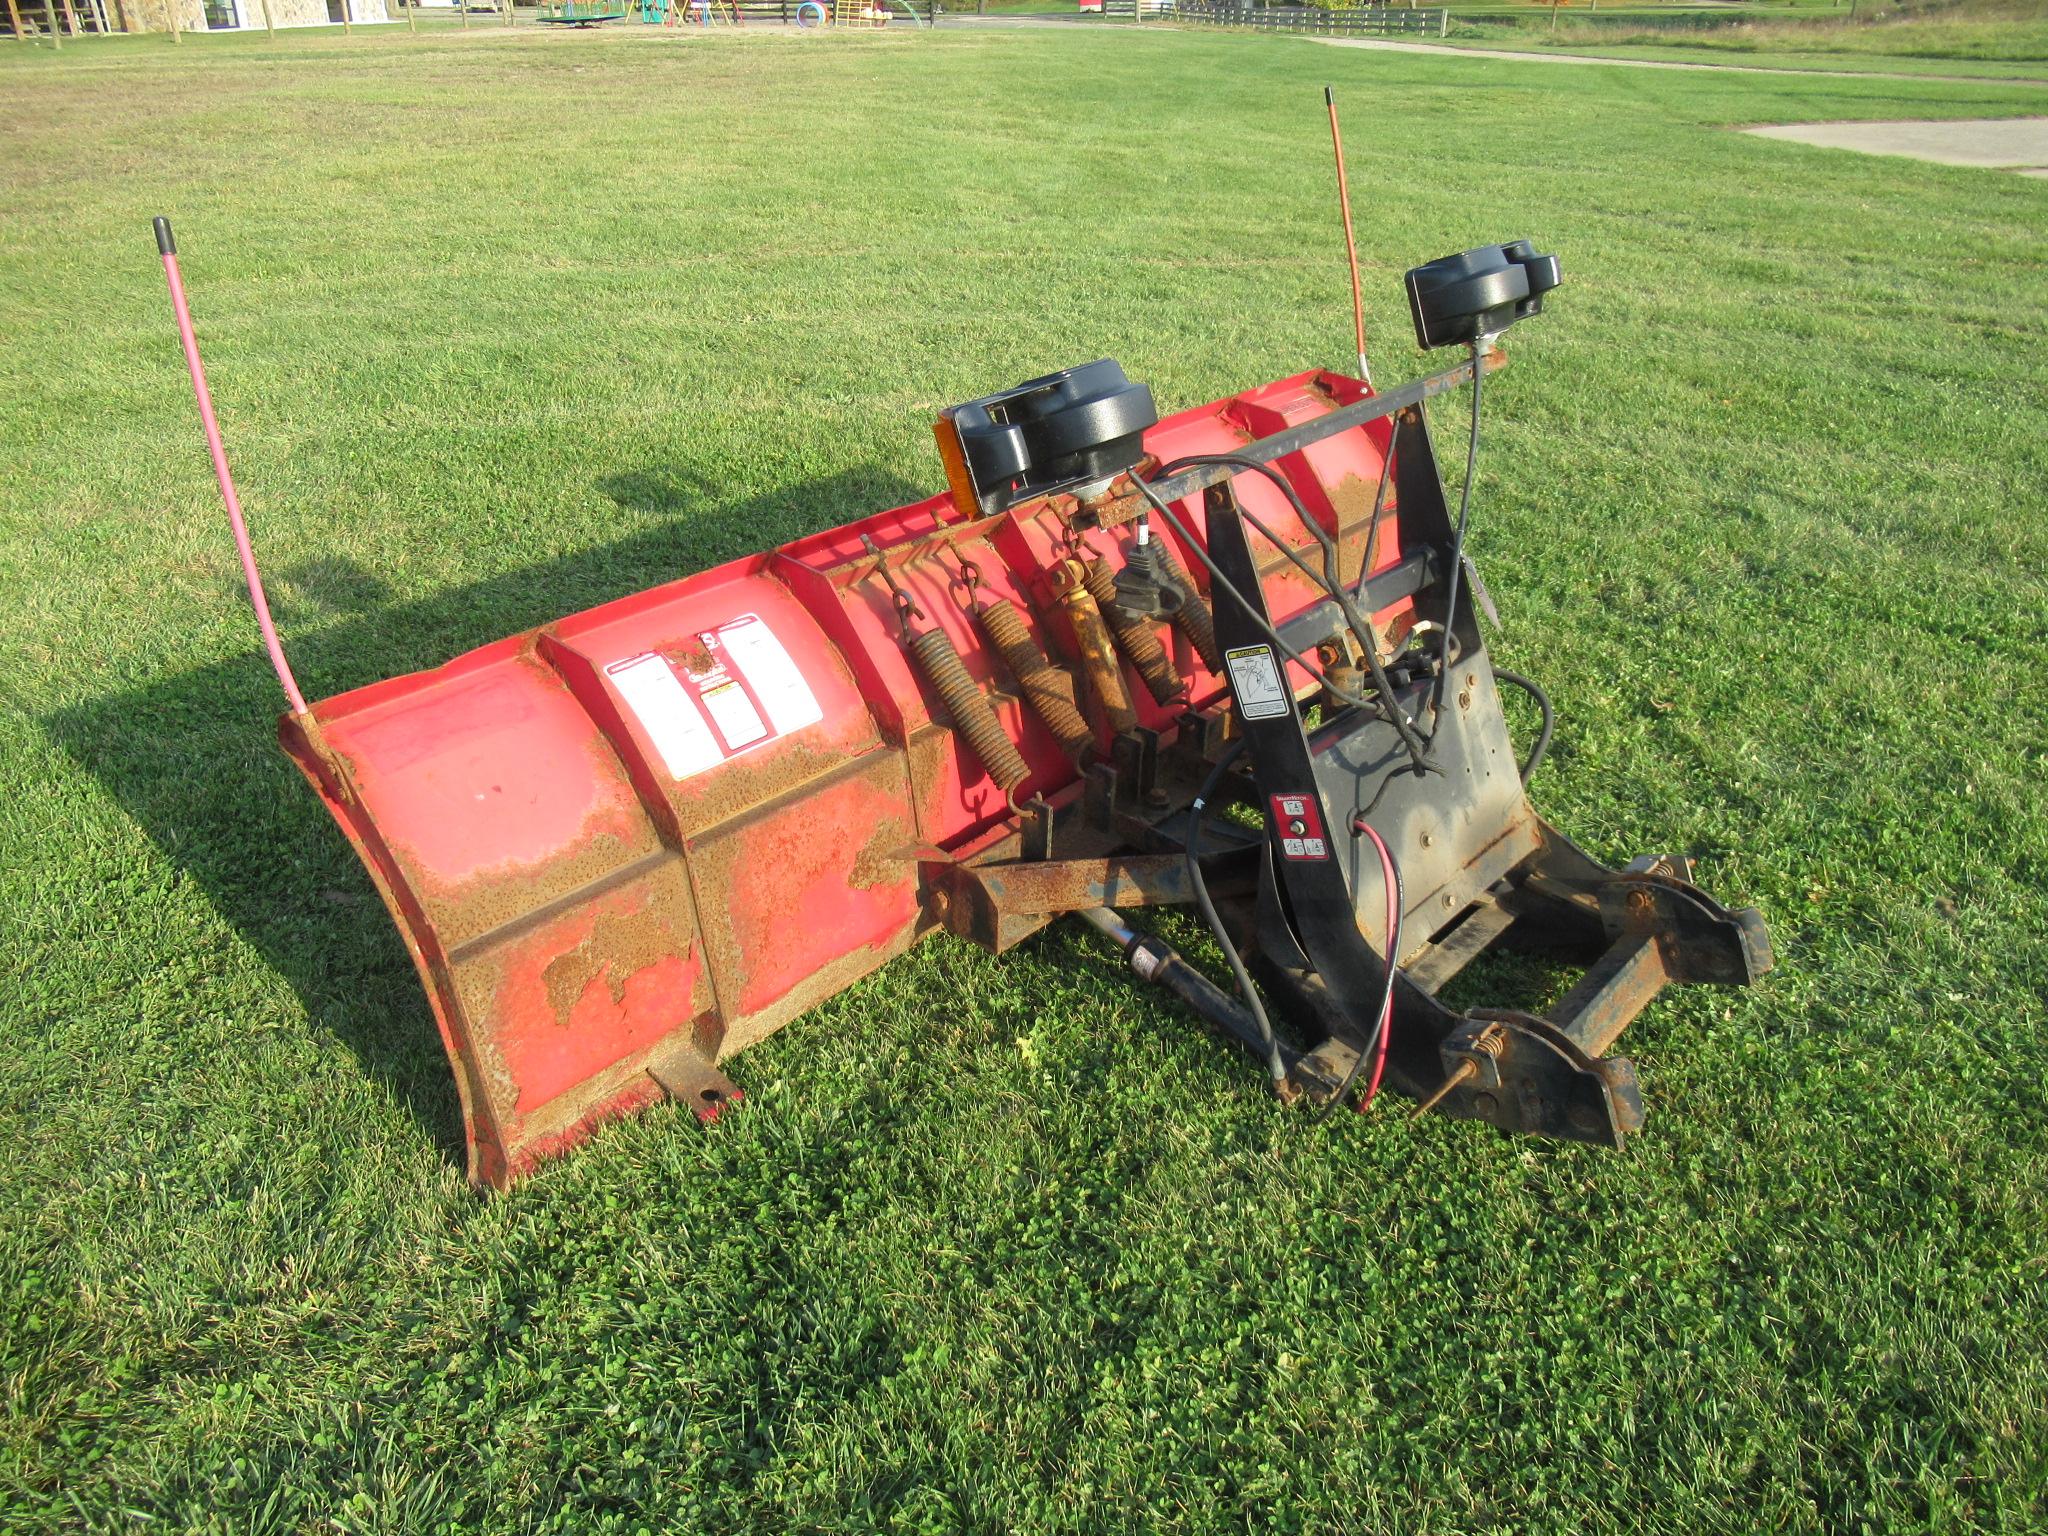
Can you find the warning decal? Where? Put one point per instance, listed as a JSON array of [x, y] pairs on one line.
[[1256, 681], [746, 674], [734, 714]]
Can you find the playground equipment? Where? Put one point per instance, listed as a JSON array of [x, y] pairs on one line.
[[579, 13], [626, 845], [878, 13]]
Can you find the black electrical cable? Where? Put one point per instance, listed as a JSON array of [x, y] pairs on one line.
[[1285, 486], [1390, 708], [1443, 669], [1197, 813], [1330, 582], [1218, 579], [1530, 687], [1381, 1014], [1372, 535]]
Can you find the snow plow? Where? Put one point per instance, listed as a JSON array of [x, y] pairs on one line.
[[1228, 657]]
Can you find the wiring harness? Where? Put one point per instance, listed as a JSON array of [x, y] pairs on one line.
[[1382, 702]]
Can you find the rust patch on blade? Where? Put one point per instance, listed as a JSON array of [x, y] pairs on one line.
[[834, 976], [617, 948], [693, 656], [885, 858], [496, 897], [750, 781]]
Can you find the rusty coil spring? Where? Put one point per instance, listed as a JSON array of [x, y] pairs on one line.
[[1193, 615], [972, 715], [1048, 690], [1138, 640], [1491, 1041]]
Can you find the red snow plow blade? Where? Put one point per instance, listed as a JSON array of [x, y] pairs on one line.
[[626, 845]]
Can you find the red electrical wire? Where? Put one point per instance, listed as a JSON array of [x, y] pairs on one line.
[[1392, 880], [169, 250]]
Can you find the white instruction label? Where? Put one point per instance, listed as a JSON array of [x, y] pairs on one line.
[[752, 647], [734, 715], [1256, 681], [672, 722]]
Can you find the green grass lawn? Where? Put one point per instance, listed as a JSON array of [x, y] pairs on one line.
[[503, 325], [1987, 38]]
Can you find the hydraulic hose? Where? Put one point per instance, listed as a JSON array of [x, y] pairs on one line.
[[1543, 705], [1153, 959]]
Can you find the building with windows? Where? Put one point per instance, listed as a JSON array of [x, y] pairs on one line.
[[236, 15]]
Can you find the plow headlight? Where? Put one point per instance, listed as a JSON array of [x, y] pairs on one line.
[[1480, 292], [1069, 428]]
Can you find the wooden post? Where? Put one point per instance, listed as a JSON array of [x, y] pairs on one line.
[[50, 21], [347, 21], [269, 27], [410, 24], [14, 17], [1553, 14], [70, 18], [463, 6], [171, 11]]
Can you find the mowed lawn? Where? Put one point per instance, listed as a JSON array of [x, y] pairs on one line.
[[1979, 38], [501, 326]]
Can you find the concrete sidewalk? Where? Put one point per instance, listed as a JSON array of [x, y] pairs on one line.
[[1515, 56], [1996, 143]]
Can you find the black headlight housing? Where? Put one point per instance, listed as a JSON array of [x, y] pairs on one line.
[[1074, 427], [1481, 292]]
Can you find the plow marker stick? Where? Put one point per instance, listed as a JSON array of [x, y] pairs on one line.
[[1350, 240], [168, 248]]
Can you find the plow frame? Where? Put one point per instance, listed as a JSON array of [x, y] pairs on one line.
[[1508, 879], [647, 931]]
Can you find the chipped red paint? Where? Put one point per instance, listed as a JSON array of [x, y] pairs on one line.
[[593, 855]]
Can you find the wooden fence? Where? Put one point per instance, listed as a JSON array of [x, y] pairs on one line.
[[1377, 21], [783, 12]]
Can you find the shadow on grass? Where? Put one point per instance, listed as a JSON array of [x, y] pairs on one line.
[[193, 757]]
